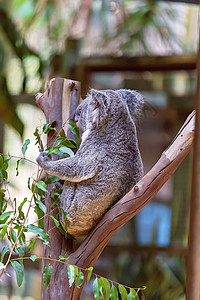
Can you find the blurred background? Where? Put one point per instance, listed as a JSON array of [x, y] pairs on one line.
[[149, 46]]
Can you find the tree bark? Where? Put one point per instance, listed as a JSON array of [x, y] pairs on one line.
[[120, 213], [58, 108]]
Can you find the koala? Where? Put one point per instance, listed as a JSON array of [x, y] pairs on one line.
[[107, 164]]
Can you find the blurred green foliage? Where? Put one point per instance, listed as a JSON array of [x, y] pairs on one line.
[[41, 39]]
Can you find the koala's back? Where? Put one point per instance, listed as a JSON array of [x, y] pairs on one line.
[[114, 151]]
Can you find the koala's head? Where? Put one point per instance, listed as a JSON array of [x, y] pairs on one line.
[[99, 107]]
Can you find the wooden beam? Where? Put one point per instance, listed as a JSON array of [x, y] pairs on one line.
[[140, 63]]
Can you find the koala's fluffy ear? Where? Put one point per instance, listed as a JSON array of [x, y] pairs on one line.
[[101, 102], [100, 99], [133, 100]]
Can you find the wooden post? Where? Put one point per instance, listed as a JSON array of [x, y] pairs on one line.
[[55, 103], [193, 257]]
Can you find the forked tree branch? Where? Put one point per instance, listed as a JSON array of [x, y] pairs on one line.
[[126, 208], [120, 213], [143, 192]]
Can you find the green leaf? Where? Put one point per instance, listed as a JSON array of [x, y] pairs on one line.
[[66, 150], [52, 179], [132, 295], [5, 216], [56, 221], [2, 199], [4, 230], [71, 274], [31, 245], [122, 291], [17, 167], [42, 206], [19, 270], [21, 214], [105, 288], [61, 257], [21, 252], [47, 275], [113, 293], [38, 139], [74, 129], [3, 252], [13, 235], [40, 215], [33, 257], [89, 274], [37, 230], [1, 161], [79, 279], [47, 127], [96, 289], [65, 219], [62, 133], [25, 146], [42, 186]]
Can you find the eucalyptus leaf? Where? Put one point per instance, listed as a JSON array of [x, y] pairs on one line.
[[31, 245], [25, 146], [37, 230], [13, 235], [62, 133], [89, 274], [17, 167], [105, 288], [123, 292], [79, 279], [47, 127], [56, 221], [5, 216], [96, 289], [132, 295], [33, 257], [42, 206], [21, 251], [19, 270], [113, 293], [47, 275], [71, 274], [3, 252], [42, 186], [52, 179], [65, 258], [38, 139], [66, 150], [21, 214]]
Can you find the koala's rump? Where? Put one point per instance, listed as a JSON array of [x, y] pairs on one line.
[[86, 202]]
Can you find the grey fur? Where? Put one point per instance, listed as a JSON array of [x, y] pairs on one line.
[[108, 163]]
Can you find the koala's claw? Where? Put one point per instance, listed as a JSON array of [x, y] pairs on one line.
[[42, 159]]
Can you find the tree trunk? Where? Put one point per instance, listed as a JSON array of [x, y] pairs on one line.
[[58, 108], [120, 213]]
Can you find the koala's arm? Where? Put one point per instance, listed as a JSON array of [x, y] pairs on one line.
[[71, 169]]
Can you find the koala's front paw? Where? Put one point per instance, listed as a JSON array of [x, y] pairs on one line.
[[43, 159]]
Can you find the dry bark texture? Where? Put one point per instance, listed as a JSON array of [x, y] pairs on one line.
[[51, 102]]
